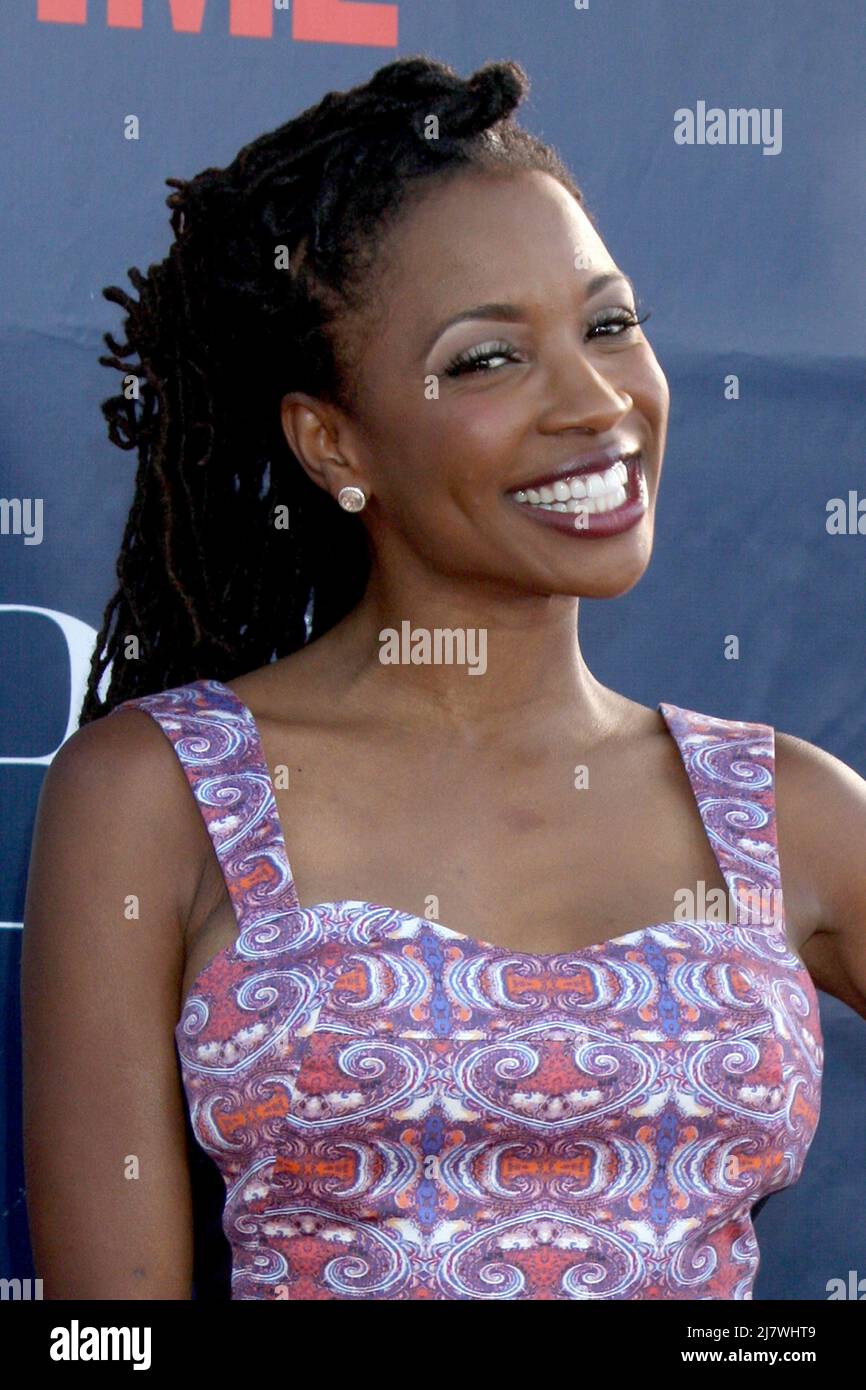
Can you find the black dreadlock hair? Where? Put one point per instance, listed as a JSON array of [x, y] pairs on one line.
[[208, 584]]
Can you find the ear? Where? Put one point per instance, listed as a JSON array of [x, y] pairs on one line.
[[316, 436], [309, 432]]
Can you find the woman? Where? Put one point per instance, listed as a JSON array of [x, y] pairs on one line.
[[396, 415]]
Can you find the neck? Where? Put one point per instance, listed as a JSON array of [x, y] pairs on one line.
[[466, 661]]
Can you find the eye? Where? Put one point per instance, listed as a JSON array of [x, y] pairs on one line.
[[613, 323], [484, 352], [605, 323]]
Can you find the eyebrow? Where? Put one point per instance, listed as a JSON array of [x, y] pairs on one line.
[[512, 313]]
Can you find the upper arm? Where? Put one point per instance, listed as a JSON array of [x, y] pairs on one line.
[[822, 831], [111, 874]]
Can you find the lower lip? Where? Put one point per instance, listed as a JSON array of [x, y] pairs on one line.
[[595, 524]]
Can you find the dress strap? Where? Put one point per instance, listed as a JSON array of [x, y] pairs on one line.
[[217, 742], [731, 766]]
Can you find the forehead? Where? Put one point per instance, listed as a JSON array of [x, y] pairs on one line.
[[481, 236]]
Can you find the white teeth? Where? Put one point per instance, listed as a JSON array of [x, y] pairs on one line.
[[604, 502], [597, 492]]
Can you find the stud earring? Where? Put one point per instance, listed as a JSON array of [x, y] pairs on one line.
[[351, 499]]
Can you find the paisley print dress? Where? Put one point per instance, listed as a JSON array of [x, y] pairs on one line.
[[399, 1111]]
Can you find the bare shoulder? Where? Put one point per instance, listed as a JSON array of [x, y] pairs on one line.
[[124, 756], [96, 749], [821, 810], [119, 776], [821, 805]]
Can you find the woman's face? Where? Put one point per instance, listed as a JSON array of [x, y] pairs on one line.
[[442, 440]]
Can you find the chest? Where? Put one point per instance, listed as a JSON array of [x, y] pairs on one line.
[[543, 855]]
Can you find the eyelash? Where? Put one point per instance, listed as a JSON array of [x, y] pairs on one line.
[[467, 362]]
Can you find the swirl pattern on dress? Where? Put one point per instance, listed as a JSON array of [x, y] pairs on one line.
[[399, 1111]]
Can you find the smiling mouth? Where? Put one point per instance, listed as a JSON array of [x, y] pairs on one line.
[[591, 493]]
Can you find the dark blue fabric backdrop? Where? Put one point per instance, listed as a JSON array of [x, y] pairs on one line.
[[751, 263]]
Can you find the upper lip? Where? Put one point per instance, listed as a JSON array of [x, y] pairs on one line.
[[581, 463]]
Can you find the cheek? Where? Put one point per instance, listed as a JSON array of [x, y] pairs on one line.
[[422, 442], [478, 427]]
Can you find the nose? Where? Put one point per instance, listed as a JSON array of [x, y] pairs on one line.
[[583, 397]]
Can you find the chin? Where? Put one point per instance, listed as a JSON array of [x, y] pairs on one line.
[[610, 580]]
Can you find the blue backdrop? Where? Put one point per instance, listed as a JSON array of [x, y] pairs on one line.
[[748, 252]]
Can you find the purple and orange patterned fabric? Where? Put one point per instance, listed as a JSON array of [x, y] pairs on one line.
[[399, 1111]]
